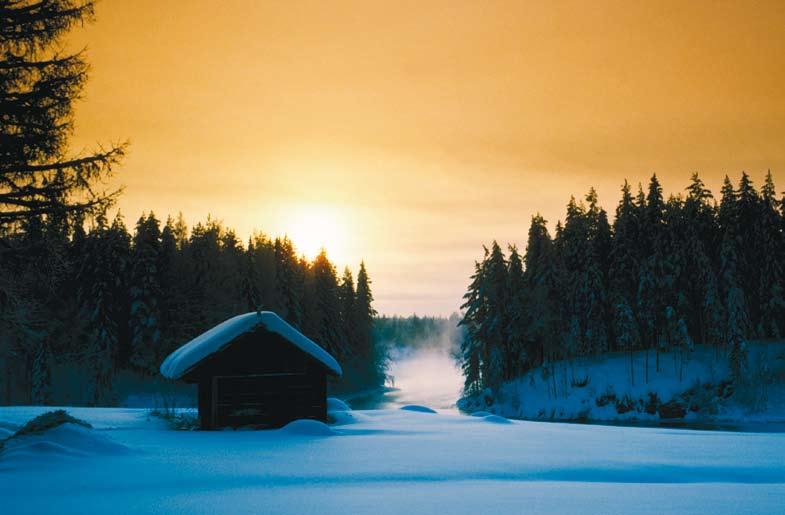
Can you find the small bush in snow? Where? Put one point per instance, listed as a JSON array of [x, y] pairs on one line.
[[46, 421], [605, 399], [652, 404], [177, 419], [185, 421], [487, 396], [580, 382], [672, 409], [624, 405], [49, 420]]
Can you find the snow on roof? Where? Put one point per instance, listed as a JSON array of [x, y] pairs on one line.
[[186, 357]]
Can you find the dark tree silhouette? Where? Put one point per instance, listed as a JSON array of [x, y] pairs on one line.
[[38, 87]]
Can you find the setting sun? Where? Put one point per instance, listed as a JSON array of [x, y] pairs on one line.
[[313, 227]]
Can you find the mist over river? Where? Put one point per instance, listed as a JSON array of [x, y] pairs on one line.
[[426, 376]]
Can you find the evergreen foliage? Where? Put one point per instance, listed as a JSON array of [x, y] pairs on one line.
[[39, 85], [139, 296], [666, 275]]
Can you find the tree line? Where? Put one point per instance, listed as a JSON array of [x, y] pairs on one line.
[[109, 299], [665, 275], [81, 290], [416, 332]]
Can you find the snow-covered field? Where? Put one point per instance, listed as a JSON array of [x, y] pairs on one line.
[[386, 461]]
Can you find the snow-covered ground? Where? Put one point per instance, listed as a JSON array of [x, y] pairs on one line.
[[614, 388], [389, 462]]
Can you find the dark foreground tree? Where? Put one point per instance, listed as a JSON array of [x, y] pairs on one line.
[[38, 88], [45, 192]]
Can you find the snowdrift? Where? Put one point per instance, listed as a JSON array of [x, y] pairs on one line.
[[304, 427], [334, 404], [390, 462], [67, 440], [417, 408]]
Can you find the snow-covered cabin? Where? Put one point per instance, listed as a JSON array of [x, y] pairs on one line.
[[254, 369]]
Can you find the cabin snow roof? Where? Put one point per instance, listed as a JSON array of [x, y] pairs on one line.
[[192, 353]]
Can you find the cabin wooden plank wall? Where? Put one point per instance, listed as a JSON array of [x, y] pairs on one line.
[[274, 398]]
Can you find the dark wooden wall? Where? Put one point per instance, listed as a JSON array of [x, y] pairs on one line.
[[259, 380]]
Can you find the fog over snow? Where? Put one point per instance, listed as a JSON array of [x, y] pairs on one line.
[[427, 376]]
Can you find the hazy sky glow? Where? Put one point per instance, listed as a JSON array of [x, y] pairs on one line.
[[410, 133]]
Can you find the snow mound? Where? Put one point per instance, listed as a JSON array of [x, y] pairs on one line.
[[306, 427], [67, 440], [496, 419], [5, 432], [341, 418], [334, 404], [417, 408], [8, 426], [481, 414]]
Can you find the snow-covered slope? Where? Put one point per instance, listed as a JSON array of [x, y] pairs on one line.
[[693, 387], [399, 461]]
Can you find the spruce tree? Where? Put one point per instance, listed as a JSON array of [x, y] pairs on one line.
[[97, 298], [326, 314], [538, 296], [119, 248], [374, 353], [260, 289], [748, 212], [574, 248], [346, 303], [731, 268], [738, 322], [171, 293], [475, 310], [598, 315], [770, 249], [522, 331], [145, 319], [701, 240], [700, 212], [494, 328], [39, 84], [623, 266], [288, 295]]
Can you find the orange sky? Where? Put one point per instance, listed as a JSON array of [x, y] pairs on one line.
[[424, 129]]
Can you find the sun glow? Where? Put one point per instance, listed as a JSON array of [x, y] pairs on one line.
[[313, 227]]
